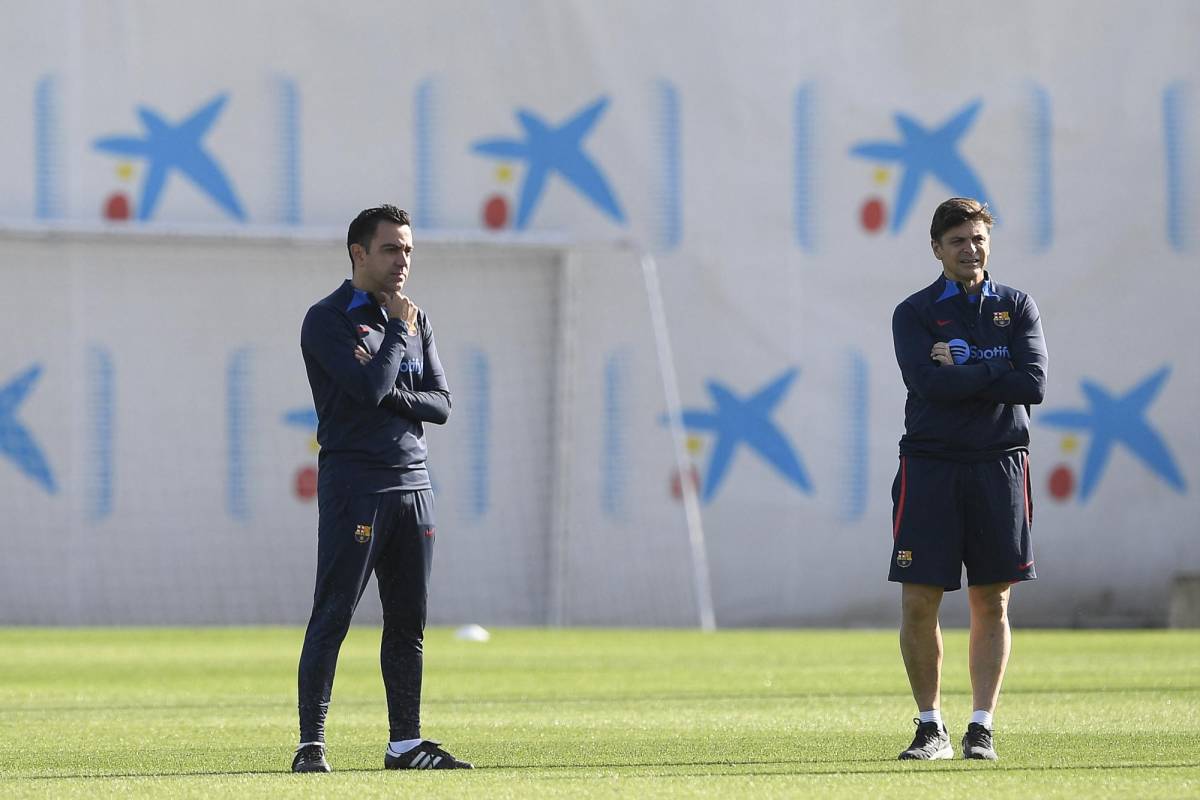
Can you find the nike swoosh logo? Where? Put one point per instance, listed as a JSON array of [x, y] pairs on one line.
[[943, 322], [1024, 567]]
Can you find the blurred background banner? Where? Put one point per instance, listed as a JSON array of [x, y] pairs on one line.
[[177, 180]]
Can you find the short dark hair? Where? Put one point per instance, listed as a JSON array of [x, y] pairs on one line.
[[362, 229], [955, 212]]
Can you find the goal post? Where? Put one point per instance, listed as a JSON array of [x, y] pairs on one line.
[[701, 577], [175, 423], [655, 542]]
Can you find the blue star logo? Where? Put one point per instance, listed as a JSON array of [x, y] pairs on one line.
[[168, 147], [736, 421], [16, 443], [1119, 420], [546, 150], [924, 152]]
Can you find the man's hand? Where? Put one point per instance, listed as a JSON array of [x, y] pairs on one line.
[[941, 354], [361, 354], [400, 307]]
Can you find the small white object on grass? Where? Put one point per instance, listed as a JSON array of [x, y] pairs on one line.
[[472, 633]]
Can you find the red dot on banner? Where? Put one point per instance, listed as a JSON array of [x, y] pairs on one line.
[[495, 212], [306, 483], [873, 214], [677, 485], [1062, 482], [116, 207]]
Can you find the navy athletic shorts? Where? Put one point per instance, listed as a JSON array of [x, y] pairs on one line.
[[947, 513]]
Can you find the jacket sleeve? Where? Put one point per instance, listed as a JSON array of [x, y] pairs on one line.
[[329, 338], [1025, 384], [924, 376], [431, 403]]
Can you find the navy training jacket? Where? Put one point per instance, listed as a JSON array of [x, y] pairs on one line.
[[370, 417], [977, 409]]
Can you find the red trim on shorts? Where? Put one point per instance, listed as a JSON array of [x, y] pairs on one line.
[[1025, 480], [900, 501]]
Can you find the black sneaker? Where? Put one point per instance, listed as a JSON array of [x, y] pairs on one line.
[[977, 743], [427, 755], [932, 742], [310, 758]]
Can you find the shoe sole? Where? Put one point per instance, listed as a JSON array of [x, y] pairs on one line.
[[390, 763], [980, 757], [940, 755]]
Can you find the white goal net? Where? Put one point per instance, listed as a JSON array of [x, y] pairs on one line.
[[159, 455]]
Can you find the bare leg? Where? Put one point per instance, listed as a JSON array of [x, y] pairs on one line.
[[990, 642], [921, 643]]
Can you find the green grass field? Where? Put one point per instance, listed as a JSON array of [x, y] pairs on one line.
[[583, 713]]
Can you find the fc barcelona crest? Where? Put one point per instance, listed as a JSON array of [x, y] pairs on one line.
[[362, 533], [1001, 319], [904, 558]]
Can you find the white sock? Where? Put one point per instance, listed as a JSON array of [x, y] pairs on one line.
[[982, 717], [403, 746], [933, 715], [306, 744]]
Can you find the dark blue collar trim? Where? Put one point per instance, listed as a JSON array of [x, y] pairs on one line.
[[950, 289]]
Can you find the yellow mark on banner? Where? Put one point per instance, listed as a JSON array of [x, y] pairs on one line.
[[1070, 443], [124, 170], [881, 175], [504, 173]]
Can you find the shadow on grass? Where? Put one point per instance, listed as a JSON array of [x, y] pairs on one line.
[[639, 698], [678, 769], [948, 768]]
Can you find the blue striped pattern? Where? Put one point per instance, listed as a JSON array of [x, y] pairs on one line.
[[101, 433], [425, 119], [803, 155], [670, 200], [237, 402], [856, 448], [478, 438], [614, 452], [289, 152], [1175, 133], [1042, 183], [47, 198]]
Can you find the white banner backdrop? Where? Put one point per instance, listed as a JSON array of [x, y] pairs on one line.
[[781, 159]]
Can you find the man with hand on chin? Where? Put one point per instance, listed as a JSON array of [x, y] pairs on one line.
[[973, 360], [376, 379]]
